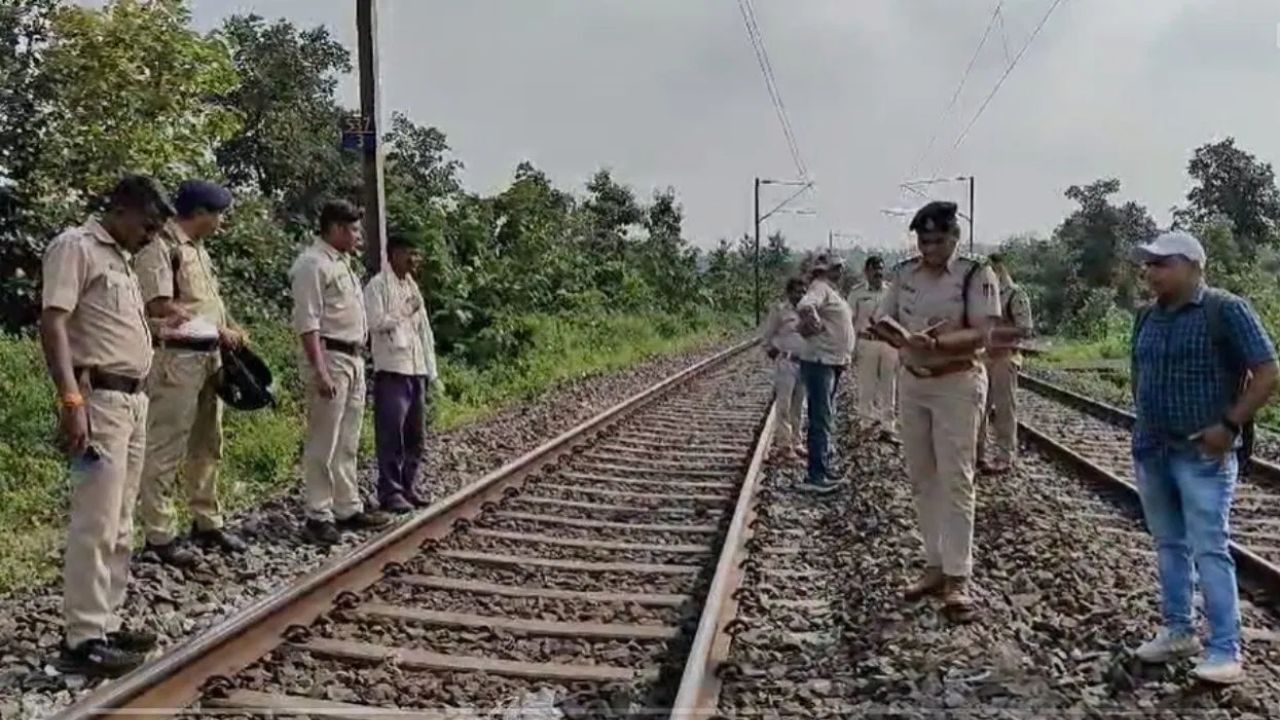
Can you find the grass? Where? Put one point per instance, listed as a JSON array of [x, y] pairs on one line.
[[1110, 386], [261, 451]]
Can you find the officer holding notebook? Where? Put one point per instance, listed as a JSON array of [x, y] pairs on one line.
[[938, 310]]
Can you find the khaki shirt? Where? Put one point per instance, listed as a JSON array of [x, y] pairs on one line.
[[1015, 311], [781, 329], [326, 295], [399, 328], [918, 299], [194, 286], [87, 274], [866, 306], [833, 345]]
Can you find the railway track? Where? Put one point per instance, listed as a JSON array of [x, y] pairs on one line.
[[594, 574], [1095, 438]]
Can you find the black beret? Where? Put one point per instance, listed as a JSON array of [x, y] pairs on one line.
[[939, 215], [195, 195]]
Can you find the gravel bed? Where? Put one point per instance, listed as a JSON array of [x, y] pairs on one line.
[[610, 534], [498, 644], [635, 513], [1253, 514], [176, 605], [499, 546], [625, 613], [601, 495], [554, 578], [1066, 585], [1113, 388], [294, 672]]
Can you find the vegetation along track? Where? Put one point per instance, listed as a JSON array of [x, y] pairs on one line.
[[576, 575], [1095, 437]]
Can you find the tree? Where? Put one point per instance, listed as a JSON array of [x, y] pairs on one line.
[[288, 149], [24, 32], [610, 209], [130, 84], [775, 260], [1229, 183], [88, 94], [1099, 236]]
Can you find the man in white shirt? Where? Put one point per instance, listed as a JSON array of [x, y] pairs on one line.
[[826, 322], [404, 363]]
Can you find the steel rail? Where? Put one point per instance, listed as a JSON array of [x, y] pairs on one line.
[[1262, 571], [1261, 467], [699, 690], [165, 686]]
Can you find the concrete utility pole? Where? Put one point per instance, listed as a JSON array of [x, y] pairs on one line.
[[374, 192]]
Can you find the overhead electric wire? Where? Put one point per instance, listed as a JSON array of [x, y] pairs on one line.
[[1000, 83], [955, 96], [771, 85]]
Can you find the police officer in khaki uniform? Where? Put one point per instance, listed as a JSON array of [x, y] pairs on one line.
[[98, 349], [946, 304], [1004, 362], [785, 347], [329, 316], [876, 361], [184, 423]]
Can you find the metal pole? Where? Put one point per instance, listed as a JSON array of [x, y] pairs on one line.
[[831, 240], [375, 223], [970, 214], [757, 263]]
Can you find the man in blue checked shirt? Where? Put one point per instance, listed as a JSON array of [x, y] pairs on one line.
[[1202, 367]]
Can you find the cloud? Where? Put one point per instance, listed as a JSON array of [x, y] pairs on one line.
[[667, 92]]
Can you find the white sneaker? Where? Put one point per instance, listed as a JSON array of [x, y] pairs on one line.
[[1167, 646], [1219, 671]]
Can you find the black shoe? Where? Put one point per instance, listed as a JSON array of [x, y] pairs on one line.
[[171, 553], [397, 504], [366, 521], [219, 539], [98, 658], [417, 501], [134, 641], [321, 532]]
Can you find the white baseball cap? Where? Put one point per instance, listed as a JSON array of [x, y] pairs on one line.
[[1172, 243]]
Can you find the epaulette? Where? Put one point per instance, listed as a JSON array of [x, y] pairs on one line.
[[906, 263]]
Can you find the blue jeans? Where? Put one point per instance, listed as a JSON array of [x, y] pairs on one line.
[[819, 382], [1186, 499]]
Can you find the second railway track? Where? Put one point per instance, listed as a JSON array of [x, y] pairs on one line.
[[576, 575], [1096, 437]]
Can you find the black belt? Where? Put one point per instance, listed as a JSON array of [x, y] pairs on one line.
[[100, 380], [193, 344], [344, 347]]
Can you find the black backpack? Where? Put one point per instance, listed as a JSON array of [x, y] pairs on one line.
[[1238, 374]]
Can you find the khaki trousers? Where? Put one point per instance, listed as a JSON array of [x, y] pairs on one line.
[[877, 368], [939, 432], [789, 396], [329, 456], [100, 536], [1001, 410], [184, 429]]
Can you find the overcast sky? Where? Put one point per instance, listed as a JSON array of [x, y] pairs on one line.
[[668, 92]]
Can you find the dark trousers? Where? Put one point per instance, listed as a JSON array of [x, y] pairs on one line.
[[399, 411], [819, 384]]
